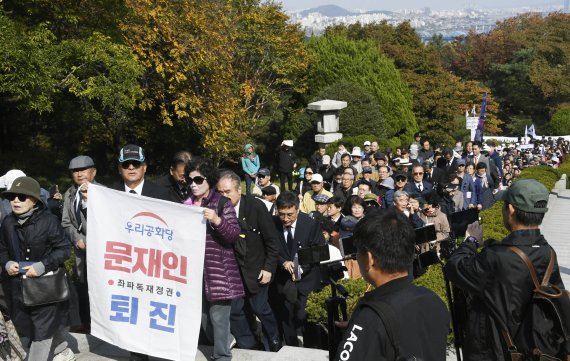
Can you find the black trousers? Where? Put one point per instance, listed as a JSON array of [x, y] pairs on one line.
[[244, 312], [289, 177]]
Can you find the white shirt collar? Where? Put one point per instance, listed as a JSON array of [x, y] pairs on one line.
[[137, 189]]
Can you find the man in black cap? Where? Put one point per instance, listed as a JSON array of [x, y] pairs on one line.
[[263, 180], [132, 169], [74, 223], [496, 281]]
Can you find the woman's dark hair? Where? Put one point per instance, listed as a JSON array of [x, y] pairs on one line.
[[350, 202], [389, 237], [206, 168]]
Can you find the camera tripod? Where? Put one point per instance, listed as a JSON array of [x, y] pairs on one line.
[[336, 311]]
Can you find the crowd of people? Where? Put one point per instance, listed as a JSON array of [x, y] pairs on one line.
[[254, 285]]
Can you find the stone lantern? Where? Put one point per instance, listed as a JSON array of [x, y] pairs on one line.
[[328, 120]]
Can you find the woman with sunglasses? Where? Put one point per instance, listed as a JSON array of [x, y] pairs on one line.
[[304, 184], [222, 280], [32, 243]]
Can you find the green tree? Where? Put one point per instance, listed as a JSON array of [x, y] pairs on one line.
[[340, 59], [439, 97], [560, 122]]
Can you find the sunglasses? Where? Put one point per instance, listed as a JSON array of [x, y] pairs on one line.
[[134, 163], [308, 172], [12, 196], [261, 176], [419, 173], [197, 179]]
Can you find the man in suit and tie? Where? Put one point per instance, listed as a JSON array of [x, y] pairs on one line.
[[418, 187], [132, 169], [293, 282], [257, 252], [434, 175], [74, 222]]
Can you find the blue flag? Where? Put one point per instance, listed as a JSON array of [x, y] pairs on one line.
[[481, 124]]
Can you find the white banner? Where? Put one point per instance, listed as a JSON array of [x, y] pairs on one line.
[[145, 262]]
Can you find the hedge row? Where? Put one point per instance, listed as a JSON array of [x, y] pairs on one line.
[[492, 221]]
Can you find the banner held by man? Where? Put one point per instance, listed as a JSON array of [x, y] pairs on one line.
[[145, 267]]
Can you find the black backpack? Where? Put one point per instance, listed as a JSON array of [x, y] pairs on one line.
[[544, 331]]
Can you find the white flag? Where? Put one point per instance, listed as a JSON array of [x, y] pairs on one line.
[[531, 131], [145, 265], [525, 134]]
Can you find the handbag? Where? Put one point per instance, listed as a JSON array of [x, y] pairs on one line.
[[10, 345], [51, 287]]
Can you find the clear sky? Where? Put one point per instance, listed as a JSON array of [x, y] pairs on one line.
[[415, 4]]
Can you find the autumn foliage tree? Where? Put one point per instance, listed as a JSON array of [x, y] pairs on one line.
[[215, 64]]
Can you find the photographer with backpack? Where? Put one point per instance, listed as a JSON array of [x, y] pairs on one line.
[[516, 306]]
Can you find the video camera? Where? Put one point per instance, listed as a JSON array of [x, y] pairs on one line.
[[330, 269]]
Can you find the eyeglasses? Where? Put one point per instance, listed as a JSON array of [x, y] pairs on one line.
[[197, 179], [12, 196], [419, 173], [134, 163]]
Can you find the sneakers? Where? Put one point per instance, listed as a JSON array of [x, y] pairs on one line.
[[65, 355]]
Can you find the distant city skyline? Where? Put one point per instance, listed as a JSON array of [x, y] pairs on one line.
[[416, 4]]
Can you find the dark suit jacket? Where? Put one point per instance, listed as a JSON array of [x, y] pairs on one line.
[[437, 176], [174, 193], [411, 188], [149, 190], [262, 241], [307, 233]]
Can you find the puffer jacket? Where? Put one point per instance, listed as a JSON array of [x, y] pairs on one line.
[[222, 280]]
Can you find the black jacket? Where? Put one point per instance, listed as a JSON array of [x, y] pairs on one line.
[[262, 242], [423, 325], [286, 159], [497, 286], [174, 192], [40, 239], [150, 189]]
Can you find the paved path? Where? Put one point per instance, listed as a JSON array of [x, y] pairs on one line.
[[556, 227]]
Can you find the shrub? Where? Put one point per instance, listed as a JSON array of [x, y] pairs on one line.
[[316, 309]]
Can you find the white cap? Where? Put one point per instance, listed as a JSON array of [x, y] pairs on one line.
[[367, 143], [356, 152], [316, 178], [288, 142], [7, 179]]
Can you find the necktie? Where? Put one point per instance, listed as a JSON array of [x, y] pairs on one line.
[[77, 207], [184, 192], [476, 159], [420, 187], [132, 191], [290, 242]]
